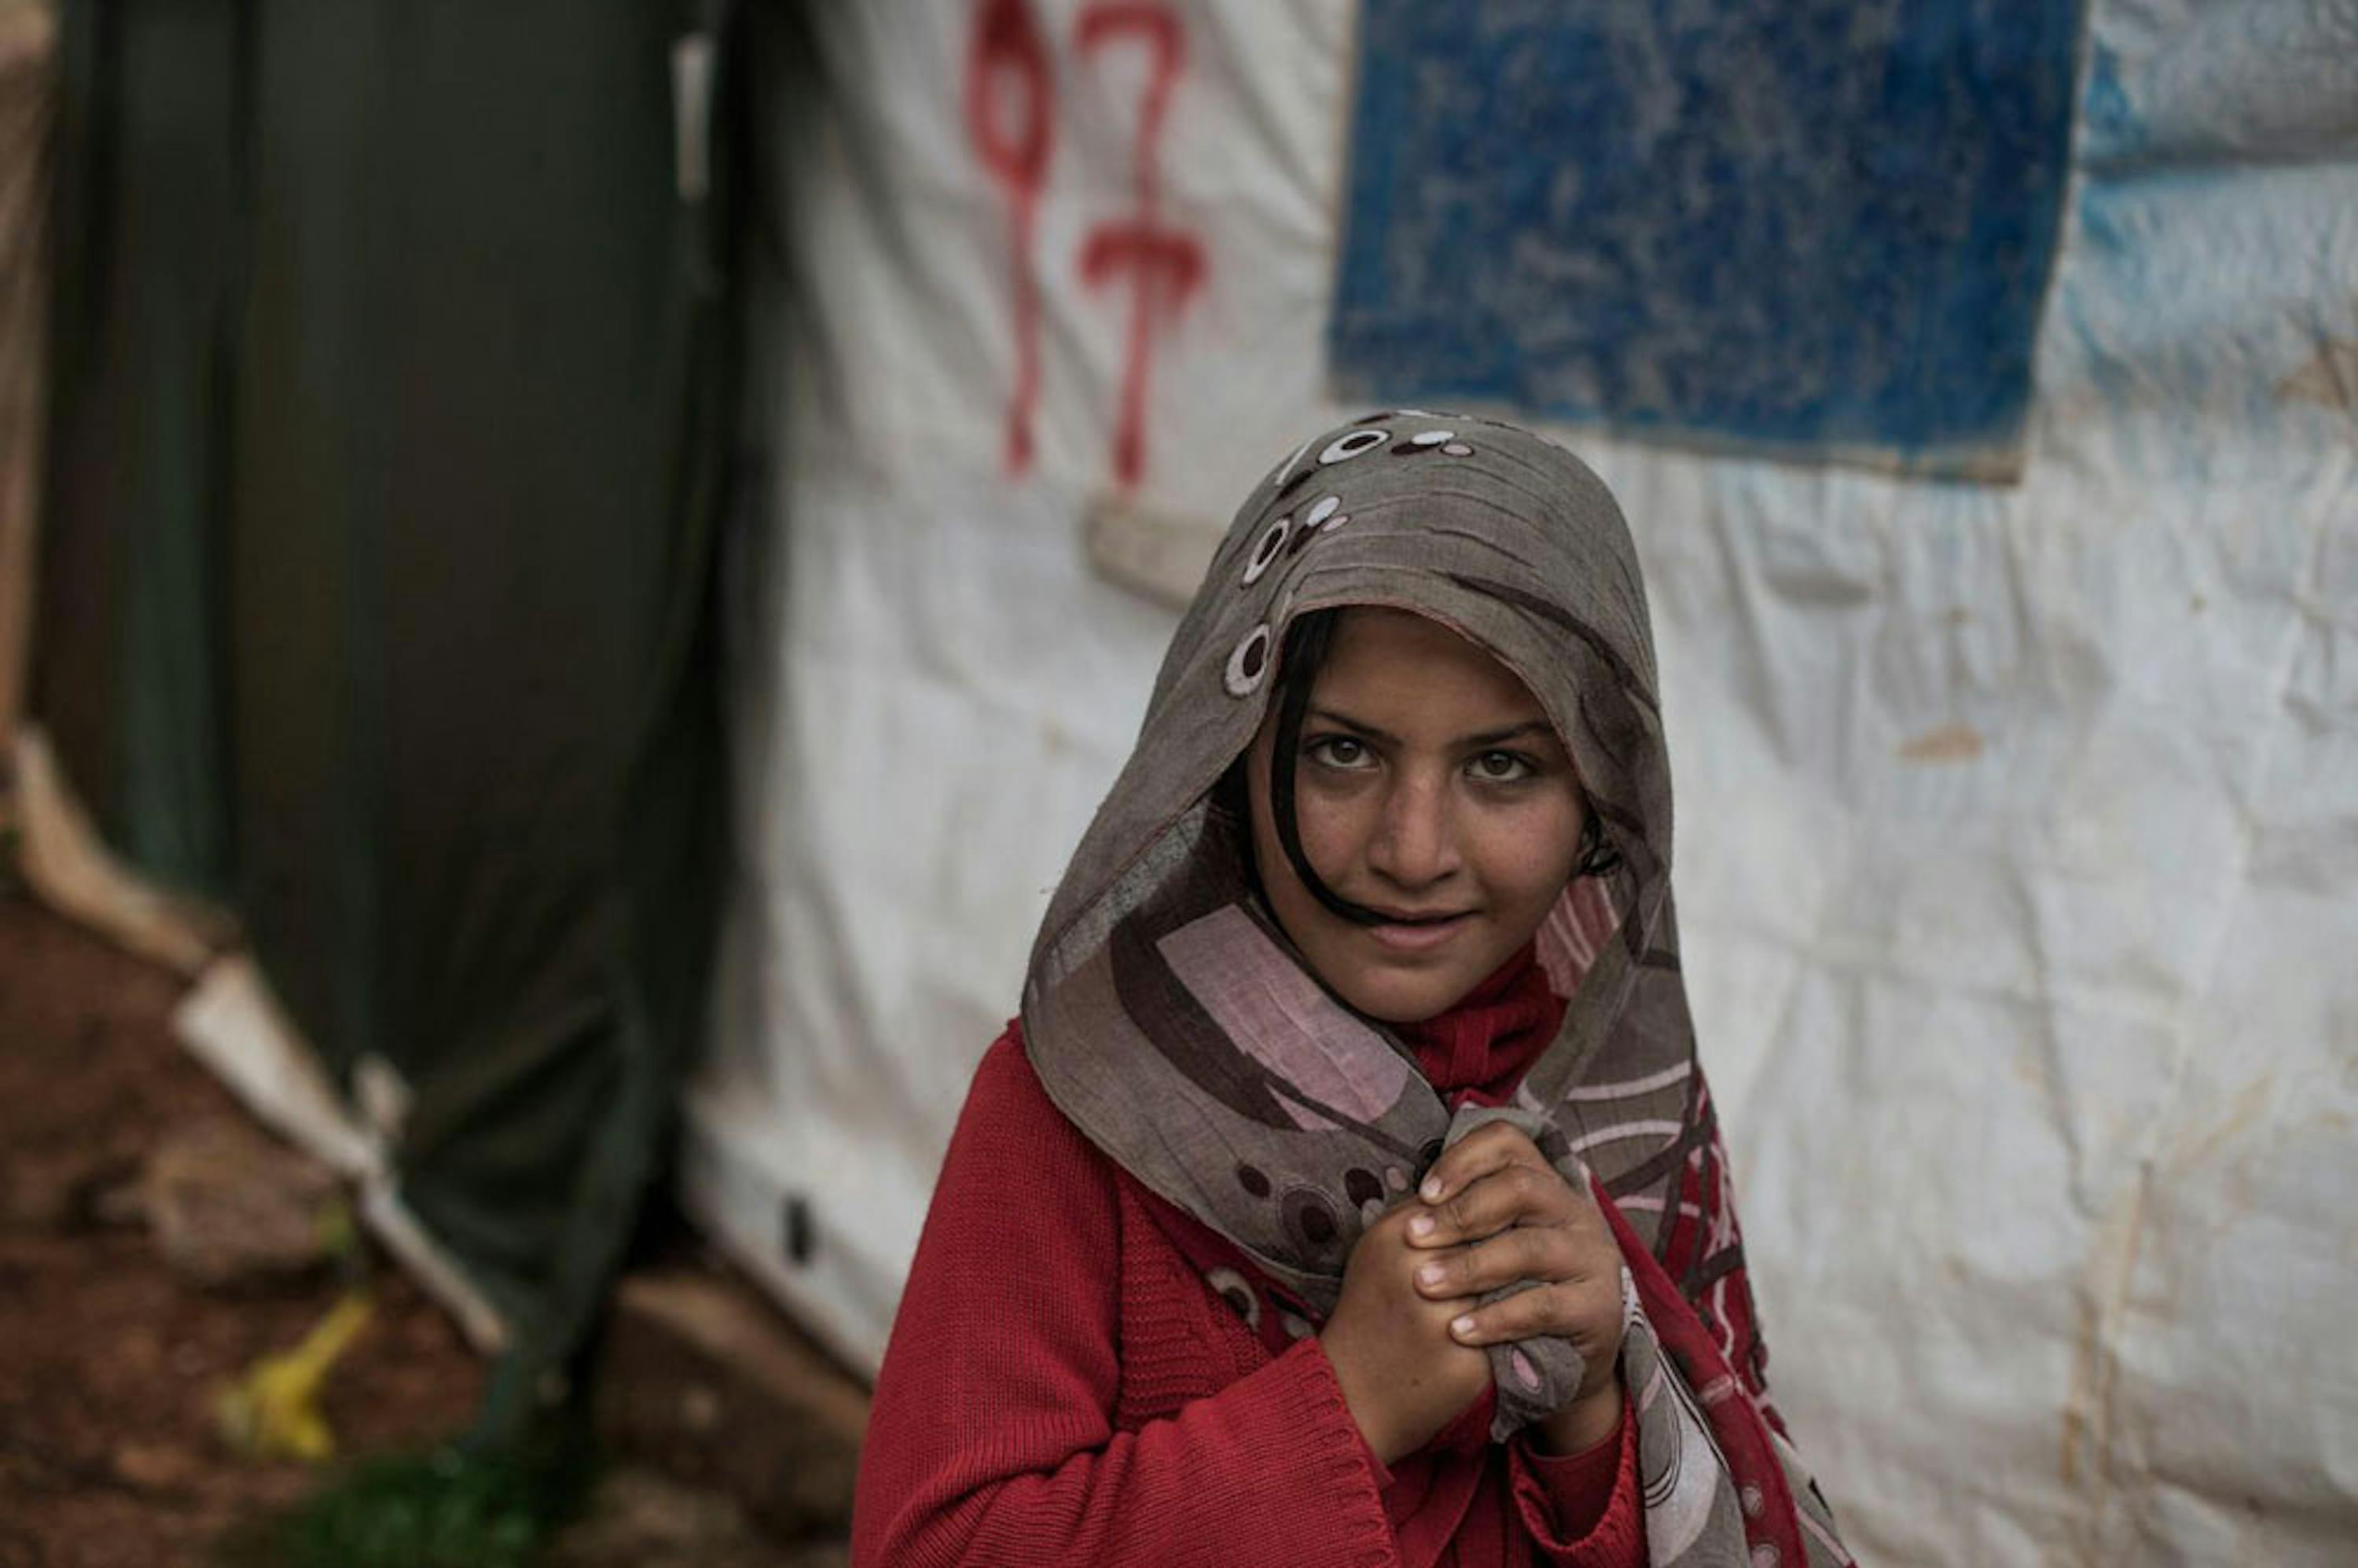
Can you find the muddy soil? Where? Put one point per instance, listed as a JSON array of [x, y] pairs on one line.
[[111, 1363]]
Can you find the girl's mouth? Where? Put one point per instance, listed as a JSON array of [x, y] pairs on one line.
[[1421, 935]]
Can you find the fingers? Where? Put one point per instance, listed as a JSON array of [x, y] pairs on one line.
[[1547, 1253], [1514, 1194], [1491, 1147], [1584, 1312]]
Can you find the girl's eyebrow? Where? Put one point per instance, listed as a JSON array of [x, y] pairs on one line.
[[1464, 742], [1501, 737]]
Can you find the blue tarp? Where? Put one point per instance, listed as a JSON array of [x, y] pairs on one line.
[[1801, 224]]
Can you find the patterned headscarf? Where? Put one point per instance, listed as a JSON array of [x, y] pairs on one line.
[[1172, 1021]]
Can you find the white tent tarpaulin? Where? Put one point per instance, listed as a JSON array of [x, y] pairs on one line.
[[2018, 851]]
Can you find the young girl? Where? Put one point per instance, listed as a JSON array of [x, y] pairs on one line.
[[1349, 1192]]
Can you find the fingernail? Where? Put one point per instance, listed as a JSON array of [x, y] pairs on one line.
[[1430, 1190], [1420, 1226], [1463, 1328], [1429, 1275]]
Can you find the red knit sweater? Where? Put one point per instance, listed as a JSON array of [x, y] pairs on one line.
[[1064, 1386]]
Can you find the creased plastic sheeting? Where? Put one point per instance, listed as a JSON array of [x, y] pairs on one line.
[[389, 401], [2019, 830], [939, 707], [27, 59]]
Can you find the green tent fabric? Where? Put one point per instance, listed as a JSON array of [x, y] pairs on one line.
[[394, 389]]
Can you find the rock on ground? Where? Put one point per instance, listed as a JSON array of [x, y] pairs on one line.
[[642, 1518], [230, 1207], [703, 1378]]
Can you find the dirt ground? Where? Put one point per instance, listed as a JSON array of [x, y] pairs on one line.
[[111, 1360]]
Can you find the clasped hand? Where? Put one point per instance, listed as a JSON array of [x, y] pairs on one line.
[[1408, 1338]]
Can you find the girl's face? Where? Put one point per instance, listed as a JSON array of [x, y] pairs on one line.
[[1430, 786]]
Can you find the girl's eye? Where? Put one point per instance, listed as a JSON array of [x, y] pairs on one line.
[[1502, 767], [1337, 752]]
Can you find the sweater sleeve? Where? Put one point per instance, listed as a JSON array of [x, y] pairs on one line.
[[991, 1440], [1582, 1511]]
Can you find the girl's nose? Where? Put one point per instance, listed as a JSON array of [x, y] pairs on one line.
[[1414, 844]]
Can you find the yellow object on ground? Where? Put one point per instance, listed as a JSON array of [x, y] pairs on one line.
[[272, 1411]]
